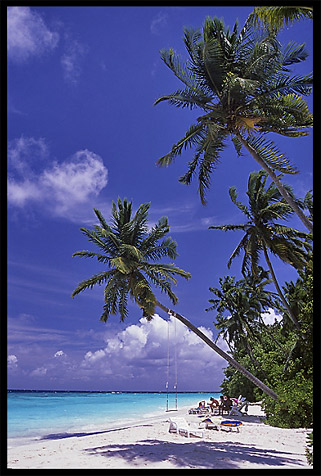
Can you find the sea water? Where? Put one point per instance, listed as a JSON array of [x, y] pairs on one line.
[[43, 414]]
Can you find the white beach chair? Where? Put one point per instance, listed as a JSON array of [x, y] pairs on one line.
[[236, 409], [179, 425]]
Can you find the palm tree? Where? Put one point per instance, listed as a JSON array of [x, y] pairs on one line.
[[241, 81], [276, 18], [244, 301], [242, 322], [129, 251], [262, 233]]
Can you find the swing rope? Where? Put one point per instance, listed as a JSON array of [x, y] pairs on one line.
[[168, 363]]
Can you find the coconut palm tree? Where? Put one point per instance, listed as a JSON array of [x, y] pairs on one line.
[[242, 321], [276, 18], [241, 81], [262, 233], [243, 301], [130, 252]]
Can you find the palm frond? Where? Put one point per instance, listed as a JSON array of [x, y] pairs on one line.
[[156, 233], [282, 84], [186, 98], [275, 18], [93, 281], [271, 155], [89, 254], [191, 137], [102, 220], [167, 247], [181, 70], [233, 196], [293, 53], [207, 152]]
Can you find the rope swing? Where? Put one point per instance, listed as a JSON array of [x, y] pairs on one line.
[[168, 365]]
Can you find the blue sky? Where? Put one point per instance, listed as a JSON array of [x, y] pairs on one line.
[[82, 130]]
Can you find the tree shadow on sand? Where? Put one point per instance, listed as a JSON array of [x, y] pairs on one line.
[[200, 454]]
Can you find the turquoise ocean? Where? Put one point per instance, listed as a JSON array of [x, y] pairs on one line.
[[40, 414]]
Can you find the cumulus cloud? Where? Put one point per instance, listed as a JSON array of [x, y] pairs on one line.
[[140, 353], [28, 35], [62, 186], [269, 317], [12, 361], [59, 353]]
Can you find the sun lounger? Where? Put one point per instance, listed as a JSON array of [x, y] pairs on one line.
[[229, 425], [199, 411], [179, 425], [208, 424], [236, 410]]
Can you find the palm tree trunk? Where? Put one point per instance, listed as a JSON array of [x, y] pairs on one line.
[[276, 284], [223, 354], [277, 182]]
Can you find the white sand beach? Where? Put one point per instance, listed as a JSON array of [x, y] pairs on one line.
[[148, 444]]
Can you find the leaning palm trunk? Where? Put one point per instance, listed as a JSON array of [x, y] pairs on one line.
[[223, 354], [277, 287], [277, 182]]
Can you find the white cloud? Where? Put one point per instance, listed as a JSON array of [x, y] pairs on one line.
[[28, 34], [62, 186], [25, 152], [71, 59], [92, 357], [158, 22], [39, 372], [12, 361], [21, 192], [59, 353], [269, 317], [140, 352], [75, 180]]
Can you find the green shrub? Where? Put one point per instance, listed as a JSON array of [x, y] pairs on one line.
[[294, 407]]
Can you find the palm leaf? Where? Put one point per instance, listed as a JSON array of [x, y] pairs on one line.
[[191, 137], [93, 281], [89, 254], [271, 155], [275, 18]]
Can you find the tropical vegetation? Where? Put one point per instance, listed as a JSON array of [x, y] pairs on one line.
[[283, 357], [262, 233], [241, 81]]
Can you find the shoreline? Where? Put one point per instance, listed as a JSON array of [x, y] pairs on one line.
[[147, 443]]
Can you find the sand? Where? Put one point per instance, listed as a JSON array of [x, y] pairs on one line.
[[148, 444]]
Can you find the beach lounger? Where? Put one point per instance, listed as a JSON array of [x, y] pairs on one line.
[[179, 425], [236, 410], [229, 425], [208, 424], [199, 411]]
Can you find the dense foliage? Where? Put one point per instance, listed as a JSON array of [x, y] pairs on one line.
[[285, 361]]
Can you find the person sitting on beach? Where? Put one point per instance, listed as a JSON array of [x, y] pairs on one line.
[[201, 404], [220, 406], [227, 404], [213, 404]]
